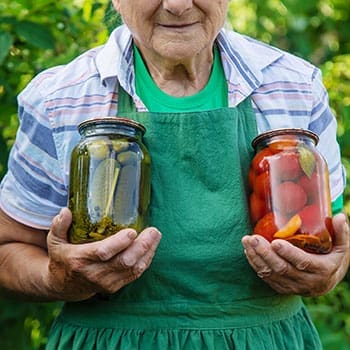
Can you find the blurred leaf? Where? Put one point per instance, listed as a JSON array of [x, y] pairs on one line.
[[25, 3], [8, 20], [6, 41], [36, 34], [111, 19], [48, 32], [344, 142], [87, 9]]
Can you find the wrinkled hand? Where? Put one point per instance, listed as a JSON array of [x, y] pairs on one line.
[[290, 270], [78, 271]]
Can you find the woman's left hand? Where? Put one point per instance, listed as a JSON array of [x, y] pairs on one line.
[[290, 270]]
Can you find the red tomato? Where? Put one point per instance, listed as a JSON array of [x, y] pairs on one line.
[[251, 177], [260, 162], [257, 207], [288, 142], [289, 198], [311, 221], [266, 226], [262, 186], [285, 166], [311, 187]]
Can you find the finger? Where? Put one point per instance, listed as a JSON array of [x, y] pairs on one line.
[[145, 261], [249, 243], [341, 231], [60, 225], [341, 244], [296, 257], [127, 265], [114, 283], [105, 279], [109, 247], [313, 263], [143, 247], [269, 260], [256, 259], [276, 272]]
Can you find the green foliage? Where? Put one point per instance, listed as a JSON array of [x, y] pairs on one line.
[[37, 34], [332, 317], [25, 325], [336, 75], [315, 29]]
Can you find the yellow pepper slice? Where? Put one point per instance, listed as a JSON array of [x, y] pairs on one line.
[[289, 228]]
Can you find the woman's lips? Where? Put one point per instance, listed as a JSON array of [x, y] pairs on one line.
[[178, 26]]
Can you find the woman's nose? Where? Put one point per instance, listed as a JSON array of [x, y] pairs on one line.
[[177, 7]]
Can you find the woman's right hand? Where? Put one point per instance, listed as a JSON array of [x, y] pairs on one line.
[[79, 271]]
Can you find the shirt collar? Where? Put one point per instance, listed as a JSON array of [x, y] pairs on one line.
[[115, 58], [244, 61]]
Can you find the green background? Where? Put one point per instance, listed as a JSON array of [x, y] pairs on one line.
[[37, 34]]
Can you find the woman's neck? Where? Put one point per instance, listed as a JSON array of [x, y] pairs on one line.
[[179, 78]]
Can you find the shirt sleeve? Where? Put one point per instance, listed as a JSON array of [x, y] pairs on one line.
[[324, 124], [33, 190]]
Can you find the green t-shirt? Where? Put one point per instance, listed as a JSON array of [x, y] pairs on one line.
[[213, 96], [338, 205]]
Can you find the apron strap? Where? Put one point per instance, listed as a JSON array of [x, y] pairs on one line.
[[125, 102]]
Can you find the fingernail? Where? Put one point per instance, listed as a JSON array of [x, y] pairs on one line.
[[132, 234], [254, 242], [155, 233], [277, 246], [140, 268], [60, 216]]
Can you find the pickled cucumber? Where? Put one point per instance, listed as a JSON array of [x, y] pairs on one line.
[[110, 180], [99, 150], [78, 184], [120, 145], [101, 188], [125, 207], [128, 157]]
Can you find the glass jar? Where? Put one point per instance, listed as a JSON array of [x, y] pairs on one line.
[[289, 190], [109, 179]]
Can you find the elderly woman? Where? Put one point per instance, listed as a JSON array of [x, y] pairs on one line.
[[203, 94]]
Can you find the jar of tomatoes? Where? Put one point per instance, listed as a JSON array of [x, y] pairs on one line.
[[109, 179], [289, 190]]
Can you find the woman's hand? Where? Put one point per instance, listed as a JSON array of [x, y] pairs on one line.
[[290, 270], [78, 271]]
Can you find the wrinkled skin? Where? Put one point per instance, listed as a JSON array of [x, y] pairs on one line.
[[175, 38], [42, 265], [59, 270], [290, 270]]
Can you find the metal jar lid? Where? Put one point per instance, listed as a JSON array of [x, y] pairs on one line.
[[285, 131], [108, 121]]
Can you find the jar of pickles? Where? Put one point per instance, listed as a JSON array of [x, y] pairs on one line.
[[109, 179], [289, 190]]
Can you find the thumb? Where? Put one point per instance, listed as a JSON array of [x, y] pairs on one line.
[[60, 225], [341, 231]]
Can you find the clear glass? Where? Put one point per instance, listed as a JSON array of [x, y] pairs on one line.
[[109, 179], [289, 190]]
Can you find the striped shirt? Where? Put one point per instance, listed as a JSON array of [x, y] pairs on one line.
[[285, 91]]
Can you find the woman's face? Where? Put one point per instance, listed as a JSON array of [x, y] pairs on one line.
[[173, 29]]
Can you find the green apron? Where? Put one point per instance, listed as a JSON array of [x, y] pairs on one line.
[[200, 292]]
